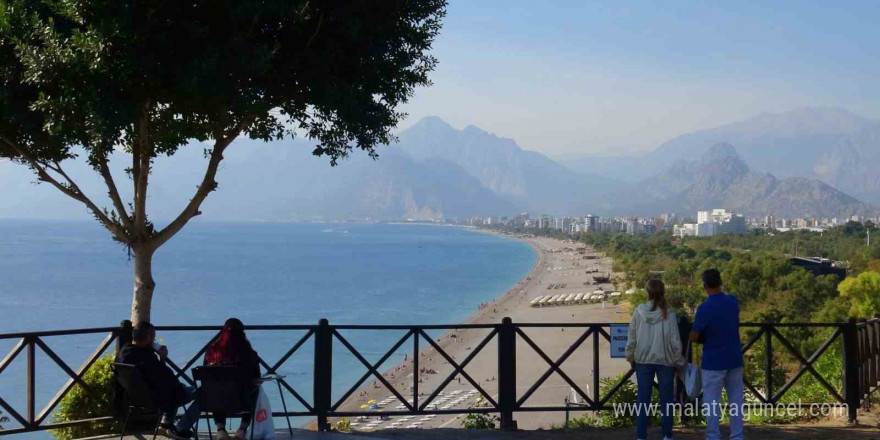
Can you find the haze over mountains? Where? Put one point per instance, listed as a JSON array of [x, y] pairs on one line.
[[833, 145], [721, 178], [800, 163]]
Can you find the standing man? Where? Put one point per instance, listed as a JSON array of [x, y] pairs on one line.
[[716, 325]]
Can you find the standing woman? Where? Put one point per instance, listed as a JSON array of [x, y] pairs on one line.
[[232, 348], [654, 347]]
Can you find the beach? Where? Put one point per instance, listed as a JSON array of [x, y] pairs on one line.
[[565, 270]]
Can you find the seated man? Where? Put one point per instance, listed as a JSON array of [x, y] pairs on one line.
[[166, 391]]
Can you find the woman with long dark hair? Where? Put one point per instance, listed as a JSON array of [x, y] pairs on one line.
[[654, 348], [232, 348]]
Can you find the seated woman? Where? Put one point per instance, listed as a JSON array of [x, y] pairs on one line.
[[232, 348]]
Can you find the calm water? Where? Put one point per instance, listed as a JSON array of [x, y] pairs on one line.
[[58, 275]]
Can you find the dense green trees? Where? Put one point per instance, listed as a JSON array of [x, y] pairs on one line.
[[864, 294], [756, 268]]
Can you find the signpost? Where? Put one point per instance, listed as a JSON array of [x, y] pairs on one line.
[[619, 336]]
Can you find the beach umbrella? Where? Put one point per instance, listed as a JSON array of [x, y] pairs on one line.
[[371, 401], [365, 406]]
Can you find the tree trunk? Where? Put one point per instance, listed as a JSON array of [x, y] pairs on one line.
[[143, 285]]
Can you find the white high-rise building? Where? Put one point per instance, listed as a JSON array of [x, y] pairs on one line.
[[719, 221]]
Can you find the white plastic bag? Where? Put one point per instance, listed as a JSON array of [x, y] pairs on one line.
[[262, 423], [693, 381]]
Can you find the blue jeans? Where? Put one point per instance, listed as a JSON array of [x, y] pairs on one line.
[[645, 379], [190, 416]]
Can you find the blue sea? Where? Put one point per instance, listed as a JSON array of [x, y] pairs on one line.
[[70, 274]]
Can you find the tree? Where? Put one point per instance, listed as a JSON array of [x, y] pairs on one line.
[[94, 78], [864, 294]]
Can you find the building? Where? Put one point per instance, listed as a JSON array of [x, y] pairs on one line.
[[720, 221], [735, 224], [590, 223], [706, 229], [685, 230], [818, 266]]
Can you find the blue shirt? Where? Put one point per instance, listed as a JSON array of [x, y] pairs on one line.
[[718, 320]]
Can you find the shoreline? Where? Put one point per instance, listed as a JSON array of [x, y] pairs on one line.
[[558, 270]]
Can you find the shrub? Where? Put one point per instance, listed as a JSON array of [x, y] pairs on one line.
[[80, 404], [343, 425], [479, 421], [626, 394]]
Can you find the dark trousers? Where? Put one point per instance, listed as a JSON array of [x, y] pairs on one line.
[[220, 418]]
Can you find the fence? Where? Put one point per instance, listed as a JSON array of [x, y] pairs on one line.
[[860, 359]]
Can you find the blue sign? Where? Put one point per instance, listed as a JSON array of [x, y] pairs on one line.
[[619, 336]]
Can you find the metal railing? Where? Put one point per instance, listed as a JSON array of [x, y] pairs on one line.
[[860, 360]]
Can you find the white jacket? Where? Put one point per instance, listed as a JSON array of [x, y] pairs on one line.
[[652, 339]]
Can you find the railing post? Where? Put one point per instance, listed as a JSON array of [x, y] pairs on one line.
[[323, 372], [875, 352], [851, 369], [124, 337], [415, 362], [507, 373], [597, 395], [866, 362], [768, 365], [31, 380]]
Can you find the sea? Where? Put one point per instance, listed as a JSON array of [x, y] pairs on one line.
[[58, 275]]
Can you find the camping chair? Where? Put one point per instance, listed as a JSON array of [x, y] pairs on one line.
[[137, 391], [225, 390]]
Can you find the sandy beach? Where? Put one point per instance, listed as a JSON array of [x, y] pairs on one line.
[[562, 268]]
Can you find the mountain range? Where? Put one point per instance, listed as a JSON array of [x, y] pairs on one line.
[[833, 145], [436, 171], [720, 178]]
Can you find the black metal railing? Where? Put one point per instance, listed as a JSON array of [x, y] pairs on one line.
[[860, 359]]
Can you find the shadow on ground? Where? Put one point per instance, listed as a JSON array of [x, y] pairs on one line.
[[784, 432], [752, 433]]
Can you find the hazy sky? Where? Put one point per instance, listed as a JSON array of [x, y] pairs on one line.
[[567, 77]]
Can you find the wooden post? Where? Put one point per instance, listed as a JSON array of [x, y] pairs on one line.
[[507, 373], [323, 373], [124, 336], [415, 361], [851, 369], [31, 380], [597, 395], [768, 366]]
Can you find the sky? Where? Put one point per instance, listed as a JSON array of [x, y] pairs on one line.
[[572, 78]]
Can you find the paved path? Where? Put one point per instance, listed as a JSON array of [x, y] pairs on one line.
[[790, 432]]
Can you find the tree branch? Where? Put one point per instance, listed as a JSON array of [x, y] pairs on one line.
[[104, 169], [207, 185], [70, 189], [141, 157]]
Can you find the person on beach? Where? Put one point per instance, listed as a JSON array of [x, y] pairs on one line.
[[232, 348], [654, 348], [716, 326]]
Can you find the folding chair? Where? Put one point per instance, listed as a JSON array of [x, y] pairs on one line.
[[137, 391], [225, 390]]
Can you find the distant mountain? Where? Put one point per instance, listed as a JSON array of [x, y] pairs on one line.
[[833, 145], [437, 171], [786, 144], [531, 181], [277, 182], [721, 179]]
